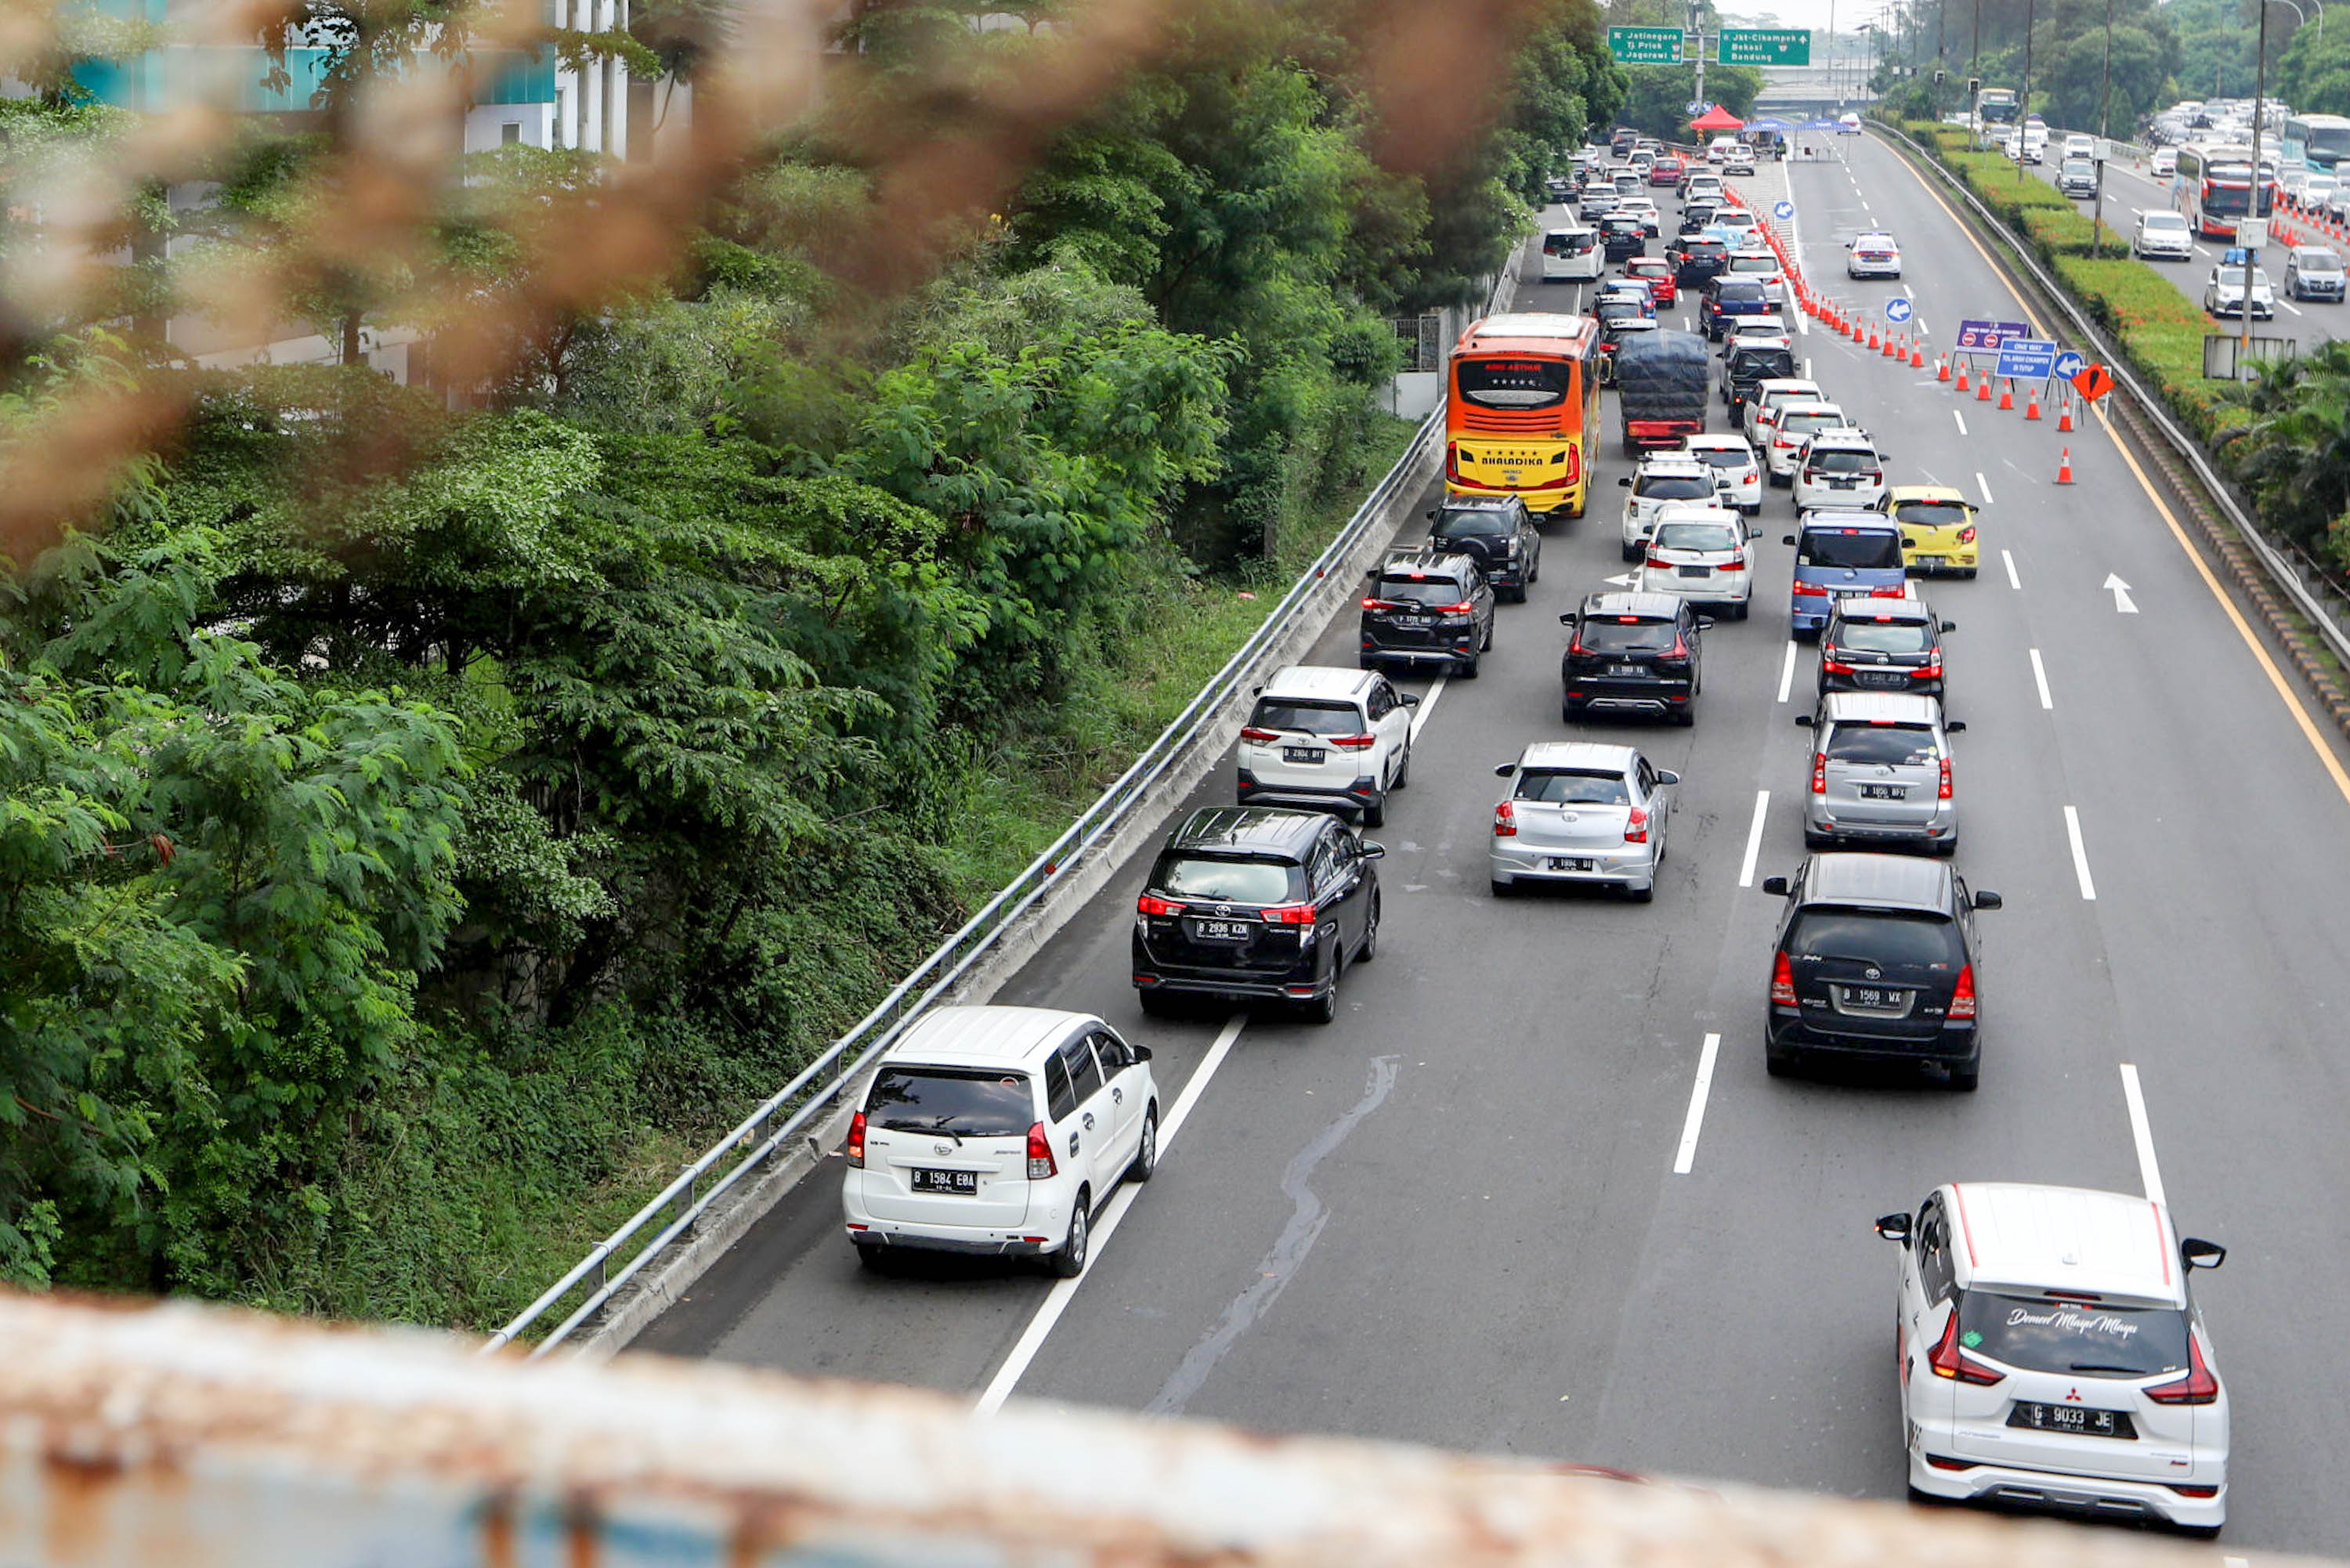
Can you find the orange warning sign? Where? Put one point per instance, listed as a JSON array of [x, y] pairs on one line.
[[2094, 381]]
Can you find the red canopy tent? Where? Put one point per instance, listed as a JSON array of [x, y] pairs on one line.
[[1717, 119]]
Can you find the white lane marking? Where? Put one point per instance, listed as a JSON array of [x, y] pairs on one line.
[[1754, 839], [1962, 419], [2012, 580], [1906, 293], [2040, 678], [1428, 705], [2290, 306], [2123, 603], [1057, 1300], [2149, 1174], [1807, 366], [2233, 1563], [1687, 1155], [1984, 485], [2080, 854], [1787, 672]]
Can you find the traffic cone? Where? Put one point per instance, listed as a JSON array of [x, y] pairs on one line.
[[1962, 376], [2006, 396], [2065, 468], [1982, 390], [2031, 406], [2064, 417], [1872, 335], [1941, 368], [1916, 357]]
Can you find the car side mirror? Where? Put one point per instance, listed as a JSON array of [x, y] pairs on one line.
[[2201, 1254], [1141, 1053], [1805, 722], [1705, 623], [1989, 900], [1503, 770], [1787, 539], [1775, 885], [1432, 514], [1374, 850], [1567, 619], [1907, 542], [1666, 777], [1949, 625], [1626, 482], [1893, 1228], [1954, 727], [1409, 699]]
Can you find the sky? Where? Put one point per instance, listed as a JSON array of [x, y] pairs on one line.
[[1804, 14]]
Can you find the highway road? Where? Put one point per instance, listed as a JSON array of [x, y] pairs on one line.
[[1503, 1205]]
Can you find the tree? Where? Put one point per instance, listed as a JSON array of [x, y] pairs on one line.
[[2292, 453], [2314, 73]]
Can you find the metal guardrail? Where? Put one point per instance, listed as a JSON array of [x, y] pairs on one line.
[[674, 1209], [2189, 451]]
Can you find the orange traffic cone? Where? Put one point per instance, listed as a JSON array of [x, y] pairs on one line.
[[1941, 368], [2065, 468], [1962, 376], [2064, 417], [1872, 335], [2031, 406], [2006, 396], [1916, 357], [1982, 390]]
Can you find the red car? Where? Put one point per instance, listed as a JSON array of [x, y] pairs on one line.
[[1665, 171], [1658, 274]]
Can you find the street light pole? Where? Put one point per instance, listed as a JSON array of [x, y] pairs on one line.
[[2024, 104], [2104, 141], [2252, 253]]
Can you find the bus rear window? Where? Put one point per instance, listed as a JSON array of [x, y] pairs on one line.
[[1514, 383]]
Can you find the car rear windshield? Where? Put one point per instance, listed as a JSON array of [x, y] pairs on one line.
[[1704, 250], [2040, 1335], [1736, 457], [1314, 718], [1843, 460], [1881, 636], [1420, 590], [1856, 549], [1897, 745], [1625, 634], [1572, 786], [1760, 364], [1804, 425], [1932, 513], [984, 1103], [1914, 938], [1674, 487], [1697, 537], [1742, 294], [1753, 264], [1227, 881], [1477, 523]]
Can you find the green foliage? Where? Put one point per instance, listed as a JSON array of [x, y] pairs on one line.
[[2314, 73], [2288, 451]]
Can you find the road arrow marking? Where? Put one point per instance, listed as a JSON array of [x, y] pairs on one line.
[[1625, 581], [2120, 590]]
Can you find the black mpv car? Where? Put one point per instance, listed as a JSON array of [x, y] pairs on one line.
[[1875, 962], [1632, 653], [1498, 532], [1257, 904], [1882, 645], [1428, 606]]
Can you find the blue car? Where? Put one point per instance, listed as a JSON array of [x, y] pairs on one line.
[[1843, 554], [1726, 298]]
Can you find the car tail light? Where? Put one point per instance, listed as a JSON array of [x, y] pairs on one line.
[[1040, 1153], [1152, 904], [1658, 560], [1635, 827], [1897, 591], [1874, 476], [1463, 607], [1782, 983], [1259, 735], [1819, 773], [1962, 1000], [1505, 821], [1809, 590], [1834, 667], [1352, 743], [1948, 1361], [1737, 563], [1967, 534], [1289, 915], [1929, 670], [855, 1148], [1945, 792], [2198, 1387], [1574, 645]]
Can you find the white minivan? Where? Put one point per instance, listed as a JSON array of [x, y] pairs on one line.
[[1572, 254], [998, 1131]]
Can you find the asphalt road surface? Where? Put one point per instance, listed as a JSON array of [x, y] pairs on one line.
[[1497, 1206]]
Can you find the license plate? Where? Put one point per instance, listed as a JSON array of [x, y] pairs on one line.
[[1626, 669], [1871, 996], [1697, 571], [1883, 678], [1569, 863], [1220, 931], [959, 1183], [1415, 621], [2078, 1419], [1842, 483], [1933, 560], [1301, 753], [1509, 476], [1884, 792]]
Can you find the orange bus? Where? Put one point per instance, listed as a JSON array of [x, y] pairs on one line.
[[1521, 399]]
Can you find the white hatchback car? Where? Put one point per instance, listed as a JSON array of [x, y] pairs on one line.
[[1737, 476], [1323, 736], [1772, 395], [998, 1131], [2052, 1355], [1793, 425], [1577, 811], [1701, 553], [1661, 481], [1839, 468]]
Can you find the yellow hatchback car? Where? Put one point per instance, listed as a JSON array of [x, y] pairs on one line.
[[1938, 528]]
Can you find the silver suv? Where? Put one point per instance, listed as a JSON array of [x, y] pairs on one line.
[[1880, 773]]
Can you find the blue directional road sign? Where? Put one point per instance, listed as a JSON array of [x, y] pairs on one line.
[[1897, 310], [1697, 106], [2070, 364], [1981, 337], [2027, 359], [1784, 211]]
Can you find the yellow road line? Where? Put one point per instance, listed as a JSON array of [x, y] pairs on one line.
[[2285, 694]]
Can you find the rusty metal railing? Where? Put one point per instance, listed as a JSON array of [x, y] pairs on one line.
[[176, 1436]]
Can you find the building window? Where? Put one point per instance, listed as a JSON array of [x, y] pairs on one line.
[[509, 132]]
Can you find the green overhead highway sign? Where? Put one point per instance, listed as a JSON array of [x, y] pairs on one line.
[[1646, 46], [1763, 46]]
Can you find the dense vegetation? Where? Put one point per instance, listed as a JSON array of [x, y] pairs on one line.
[[423, 826]]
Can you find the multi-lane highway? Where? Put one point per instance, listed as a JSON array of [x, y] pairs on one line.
[[1534, 1193]]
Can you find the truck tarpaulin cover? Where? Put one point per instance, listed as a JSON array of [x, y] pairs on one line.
[[1663, 374]]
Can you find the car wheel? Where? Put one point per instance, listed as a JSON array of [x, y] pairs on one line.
[[869, 1257], [1504, 890], [1739, 610], [1145, 1153], [1325, 1008], [1777, 1063], [1375, 810], [1487, 646], [1644, 894], [1568, 713], [1686, 716], [1966, 1078], [1632, 552], [1403, 769], [1817, 840], [1946, 848], [1070, 1261], [1966, 573], [2200, 1531], [1370, 947], [1156, 1003]]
